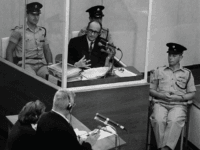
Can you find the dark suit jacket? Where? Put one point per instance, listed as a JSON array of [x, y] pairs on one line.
[[55, 133], [78, 47], [21, 137]]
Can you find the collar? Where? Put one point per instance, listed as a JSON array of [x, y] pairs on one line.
[[28, 28], [89, 41], [180, 68], [61, 115]]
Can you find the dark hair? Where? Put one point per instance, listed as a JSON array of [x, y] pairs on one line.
[[96, 22], [31, 112]]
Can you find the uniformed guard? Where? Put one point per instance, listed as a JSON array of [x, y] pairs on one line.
[[96, 14], [34, 8], [171, 87], [37, 51]]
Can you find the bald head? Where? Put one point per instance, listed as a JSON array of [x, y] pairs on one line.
[[93, 30]]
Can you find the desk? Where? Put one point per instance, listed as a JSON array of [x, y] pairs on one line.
[[102, 144], [108, 79]]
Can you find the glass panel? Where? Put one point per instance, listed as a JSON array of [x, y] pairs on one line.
[[126, 21]]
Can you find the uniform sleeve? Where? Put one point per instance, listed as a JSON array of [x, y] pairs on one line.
[[15, 37], [46, 41], [191, 86], [154, 79]]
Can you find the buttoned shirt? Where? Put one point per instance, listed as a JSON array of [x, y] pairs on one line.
[[35, 40], [178, 82]]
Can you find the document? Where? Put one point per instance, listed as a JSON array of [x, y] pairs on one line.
[[56, 70], [95, 73], [122, 72]]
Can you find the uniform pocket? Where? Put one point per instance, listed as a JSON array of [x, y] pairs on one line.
[[181, 82]]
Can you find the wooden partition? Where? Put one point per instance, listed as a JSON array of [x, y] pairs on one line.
[[125, 105]]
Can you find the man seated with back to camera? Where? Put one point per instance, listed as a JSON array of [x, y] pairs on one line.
[[54, 129], [37, 52], [87, 52], [171, 87], [22, 135]]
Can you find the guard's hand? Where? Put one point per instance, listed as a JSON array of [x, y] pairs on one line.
[[175, 98], [84, 63]]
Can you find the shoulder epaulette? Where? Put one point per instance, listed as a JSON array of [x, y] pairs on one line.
[[44, 30], [161, 66], [17, 27], [187, 69]]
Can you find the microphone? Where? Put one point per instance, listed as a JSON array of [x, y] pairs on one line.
[[110, 121], [104, 129], [104, 42]]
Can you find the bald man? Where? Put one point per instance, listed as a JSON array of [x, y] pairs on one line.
[[86, 52]]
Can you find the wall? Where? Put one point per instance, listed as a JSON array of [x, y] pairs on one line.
[[174, 21], [126, 20]]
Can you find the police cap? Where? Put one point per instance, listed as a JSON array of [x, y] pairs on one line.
[[34, 8], [96, 11], [175, 48]]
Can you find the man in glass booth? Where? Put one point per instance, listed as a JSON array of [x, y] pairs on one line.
[[171, 87], [86, 51], [37, 52], [96, 14]]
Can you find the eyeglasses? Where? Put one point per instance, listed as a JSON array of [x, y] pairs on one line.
[[92, 31]]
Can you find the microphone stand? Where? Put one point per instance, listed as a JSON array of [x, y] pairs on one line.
[[110, 72], [107, 124]]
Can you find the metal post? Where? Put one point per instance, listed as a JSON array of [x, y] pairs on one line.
[[65, 50], [24, 38]]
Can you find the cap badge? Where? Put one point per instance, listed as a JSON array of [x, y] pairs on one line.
[[35, 6]]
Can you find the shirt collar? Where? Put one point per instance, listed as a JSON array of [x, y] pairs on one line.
[[90, 41], [28, 28], [180, 68], [61, 115]]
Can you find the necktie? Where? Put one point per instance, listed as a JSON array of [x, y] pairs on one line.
[[90, 48]]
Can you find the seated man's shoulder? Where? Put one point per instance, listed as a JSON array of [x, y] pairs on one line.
[[187, 70], [18, 28], [82, 32], [43, 29], [161, 67]]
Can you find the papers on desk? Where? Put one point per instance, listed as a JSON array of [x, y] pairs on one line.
[[84, 134], [122, 72], [95, 73], [56, 70]]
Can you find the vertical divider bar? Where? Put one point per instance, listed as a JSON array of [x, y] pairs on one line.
[[148, 39], [24, 38], [65, 49]]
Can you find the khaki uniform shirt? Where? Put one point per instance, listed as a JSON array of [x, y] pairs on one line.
[[34, 44], [179, 82]]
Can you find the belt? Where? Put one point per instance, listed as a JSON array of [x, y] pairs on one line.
[[20, 58], [17, 59]]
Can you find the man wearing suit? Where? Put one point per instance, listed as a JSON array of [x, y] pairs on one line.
[[54, 129], [85, 51], [96, 14]]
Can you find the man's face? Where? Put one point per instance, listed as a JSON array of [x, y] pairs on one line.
[[174, 59], [93, 31], [33, 18]]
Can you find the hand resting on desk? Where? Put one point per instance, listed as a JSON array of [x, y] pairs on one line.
[[90, 137]]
